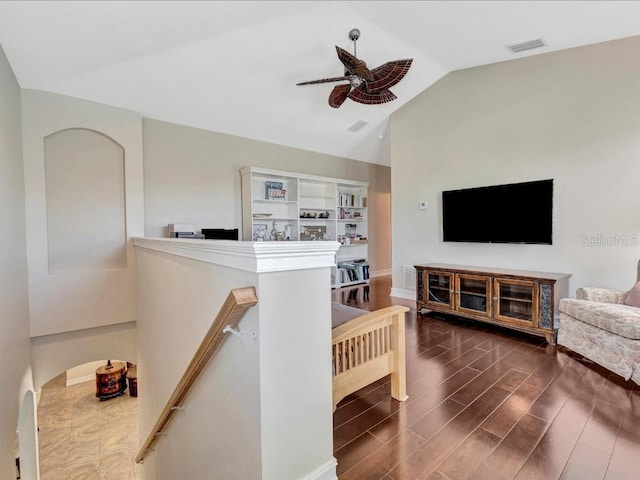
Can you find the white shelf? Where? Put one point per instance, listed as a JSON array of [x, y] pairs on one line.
[[275, 202], [305, 193], [349, 259], [348, 284], [323, 197], [274, 219]]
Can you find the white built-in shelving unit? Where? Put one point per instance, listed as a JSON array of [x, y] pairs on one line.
[[287, 206]]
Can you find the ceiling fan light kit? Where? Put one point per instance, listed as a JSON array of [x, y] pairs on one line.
[[369, 87]]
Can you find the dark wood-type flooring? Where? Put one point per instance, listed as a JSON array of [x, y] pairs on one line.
[[486, 403]]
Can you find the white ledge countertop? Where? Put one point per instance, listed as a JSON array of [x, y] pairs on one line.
[[256, 257]]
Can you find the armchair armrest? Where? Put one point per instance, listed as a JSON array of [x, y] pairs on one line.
[[603, 295]]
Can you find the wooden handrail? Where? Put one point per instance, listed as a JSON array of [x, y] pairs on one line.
[[238, 301]]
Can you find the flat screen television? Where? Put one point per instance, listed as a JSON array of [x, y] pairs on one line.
[[513, 213]]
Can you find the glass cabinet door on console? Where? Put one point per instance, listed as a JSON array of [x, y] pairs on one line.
[[473, 294], [516, 301], [439, 289]]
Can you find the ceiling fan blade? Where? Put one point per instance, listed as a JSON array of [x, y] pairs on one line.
[[387, 75], [360, 95], [354, 65], [324, 80], [338, 95]]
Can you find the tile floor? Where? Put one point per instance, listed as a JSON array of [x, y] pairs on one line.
[[83, 438]]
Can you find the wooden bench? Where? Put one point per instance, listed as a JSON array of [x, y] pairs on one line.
[[368, 346]]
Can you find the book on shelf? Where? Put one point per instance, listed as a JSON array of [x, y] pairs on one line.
[[349, 214], [352, 271], [274, 191], [349, 200]]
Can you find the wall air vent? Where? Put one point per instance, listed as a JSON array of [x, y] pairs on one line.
[[359, 125], [409, 273], [530, 45]]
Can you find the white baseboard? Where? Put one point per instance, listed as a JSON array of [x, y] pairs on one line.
[[75, 381], [326, 471], [405, 293], [379, 273]]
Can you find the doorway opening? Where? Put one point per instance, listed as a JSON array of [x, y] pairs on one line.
[[84, 433]]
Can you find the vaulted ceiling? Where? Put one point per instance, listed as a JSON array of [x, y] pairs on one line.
[[232, 66]]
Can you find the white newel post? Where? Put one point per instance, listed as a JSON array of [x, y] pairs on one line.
[[293, 282]]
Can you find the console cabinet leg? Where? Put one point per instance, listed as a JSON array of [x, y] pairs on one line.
[[551, 337]]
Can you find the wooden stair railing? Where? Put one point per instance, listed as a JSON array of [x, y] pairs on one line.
[[238, 301]]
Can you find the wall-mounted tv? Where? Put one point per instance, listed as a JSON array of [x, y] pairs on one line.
[[513, 213]]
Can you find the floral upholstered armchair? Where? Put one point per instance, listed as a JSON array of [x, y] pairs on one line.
[[604, 326]]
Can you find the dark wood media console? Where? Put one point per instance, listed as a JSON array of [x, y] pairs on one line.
[[518, 299]]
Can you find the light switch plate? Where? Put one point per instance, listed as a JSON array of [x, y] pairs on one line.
[[423, 205]]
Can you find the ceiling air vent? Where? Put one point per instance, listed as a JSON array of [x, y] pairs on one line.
[[359, 125], [530, 45]]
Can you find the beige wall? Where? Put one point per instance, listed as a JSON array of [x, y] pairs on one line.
[[219, 431], [53, 354], [85, 372], [14, 323], [572, 116], [246, 415], [72, 287], [193, 176]]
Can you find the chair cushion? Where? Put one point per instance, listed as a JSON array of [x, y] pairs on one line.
[[602, 295], [623, 320], [343, 313], [633, 296]]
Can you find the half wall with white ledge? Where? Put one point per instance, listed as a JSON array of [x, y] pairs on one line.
[[262, 408]]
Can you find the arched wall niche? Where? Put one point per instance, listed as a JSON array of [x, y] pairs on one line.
[[85, 201]]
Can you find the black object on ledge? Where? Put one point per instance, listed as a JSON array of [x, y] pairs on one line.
[[220, 233]]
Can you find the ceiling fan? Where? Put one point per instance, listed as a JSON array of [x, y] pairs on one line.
[[370, 87]]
